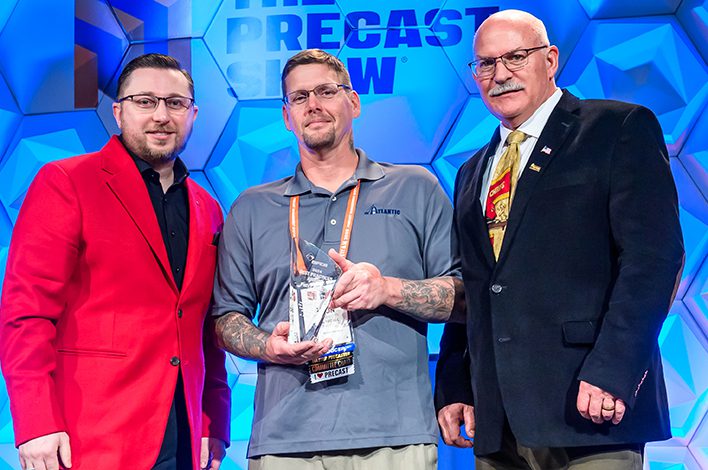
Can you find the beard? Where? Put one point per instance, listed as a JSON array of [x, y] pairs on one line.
[[319, 142], [137, 143], [156, 156]]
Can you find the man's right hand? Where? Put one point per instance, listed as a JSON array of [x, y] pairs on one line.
[[279, 351], [46, 452], [450, 418]]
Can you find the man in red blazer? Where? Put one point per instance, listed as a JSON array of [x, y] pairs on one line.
[[103, 346]]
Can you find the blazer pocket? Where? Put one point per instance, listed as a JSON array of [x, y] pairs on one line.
[[579, 333], [109, 353], [586, 176], [211, 251]]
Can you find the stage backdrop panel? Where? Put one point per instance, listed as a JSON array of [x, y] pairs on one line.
[[59, 62]]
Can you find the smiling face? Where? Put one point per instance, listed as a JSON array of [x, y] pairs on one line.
[[157, 135], [514, 96], [320, 124]]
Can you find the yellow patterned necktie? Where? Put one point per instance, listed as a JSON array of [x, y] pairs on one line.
[[501, 191]]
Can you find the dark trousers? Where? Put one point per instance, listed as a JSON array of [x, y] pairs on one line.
[[176, 450]]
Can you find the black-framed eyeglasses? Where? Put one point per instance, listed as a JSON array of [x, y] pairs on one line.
[[512, 60], [178, 104], [325, 91]]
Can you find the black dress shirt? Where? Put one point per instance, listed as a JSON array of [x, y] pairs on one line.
[[172, 211]]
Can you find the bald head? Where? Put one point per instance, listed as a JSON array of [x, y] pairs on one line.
[[513, 89], [519, 19]]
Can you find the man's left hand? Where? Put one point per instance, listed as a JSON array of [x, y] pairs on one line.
[[598, 405], [212, 453], [361, 286]]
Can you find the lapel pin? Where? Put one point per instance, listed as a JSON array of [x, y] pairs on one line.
[[534, 167], [546, 150]]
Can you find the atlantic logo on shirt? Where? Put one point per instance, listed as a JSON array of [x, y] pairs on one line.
[[373, 210]]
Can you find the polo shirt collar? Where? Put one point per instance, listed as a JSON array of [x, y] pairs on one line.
[[366, 170]]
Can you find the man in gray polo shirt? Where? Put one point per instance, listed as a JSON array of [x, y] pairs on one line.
[[399, 274]]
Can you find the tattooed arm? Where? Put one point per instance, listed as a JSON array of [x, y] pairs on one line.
[[237, 334], [438, 299], [362, 287]]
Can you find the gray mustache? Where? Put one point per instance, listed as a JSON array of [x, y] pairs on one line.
[[505, 87]]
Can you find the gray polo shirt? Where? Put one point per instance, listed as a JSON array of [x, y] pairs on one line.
[[402, 226]]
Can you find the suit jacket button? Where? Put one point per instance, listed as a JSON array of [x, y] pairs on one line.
[[179, 313], [174, 361], [496, 288]]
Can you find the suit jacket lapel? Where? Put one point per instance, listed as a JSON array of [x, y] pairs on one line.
[[125, 182], [550, 142], [478, 223]]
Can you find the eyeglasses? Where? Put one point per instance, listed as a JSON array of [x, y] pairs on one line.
[[177, 104], [513, 60], [326, 91]]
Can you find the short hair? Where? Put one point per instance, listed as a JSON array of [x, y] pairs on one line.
[[153, 61], [316, 56]]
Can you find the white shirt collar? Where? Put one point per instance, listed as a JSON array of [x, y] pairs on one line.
[[534, 125]]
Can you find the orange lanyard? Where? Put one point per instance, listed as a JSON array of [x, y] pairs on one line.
[[346, 230]]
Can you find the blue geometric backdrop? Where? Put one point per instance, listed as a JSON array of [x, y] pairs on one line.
[[59, 61]]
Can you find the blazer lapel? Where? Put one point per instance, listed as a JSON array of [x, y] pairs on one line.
[[473, 191], [124, 180], [551, 141]]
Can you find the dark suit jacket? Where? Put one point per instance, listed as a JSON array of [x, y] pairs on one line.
[[583, 283]]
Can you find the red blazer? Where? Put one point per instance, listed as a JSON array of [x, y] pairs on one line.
[[93, 329]]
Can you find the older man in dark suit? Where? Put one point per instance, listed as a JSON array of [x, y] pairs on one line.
[[571, 247]]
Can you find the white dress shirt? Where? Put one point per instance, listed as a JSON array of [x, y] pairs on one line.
[[532, 127]]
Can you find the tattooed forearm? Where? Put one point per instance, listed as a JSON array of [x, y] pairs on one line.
[[238, 335], [431, 300]]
